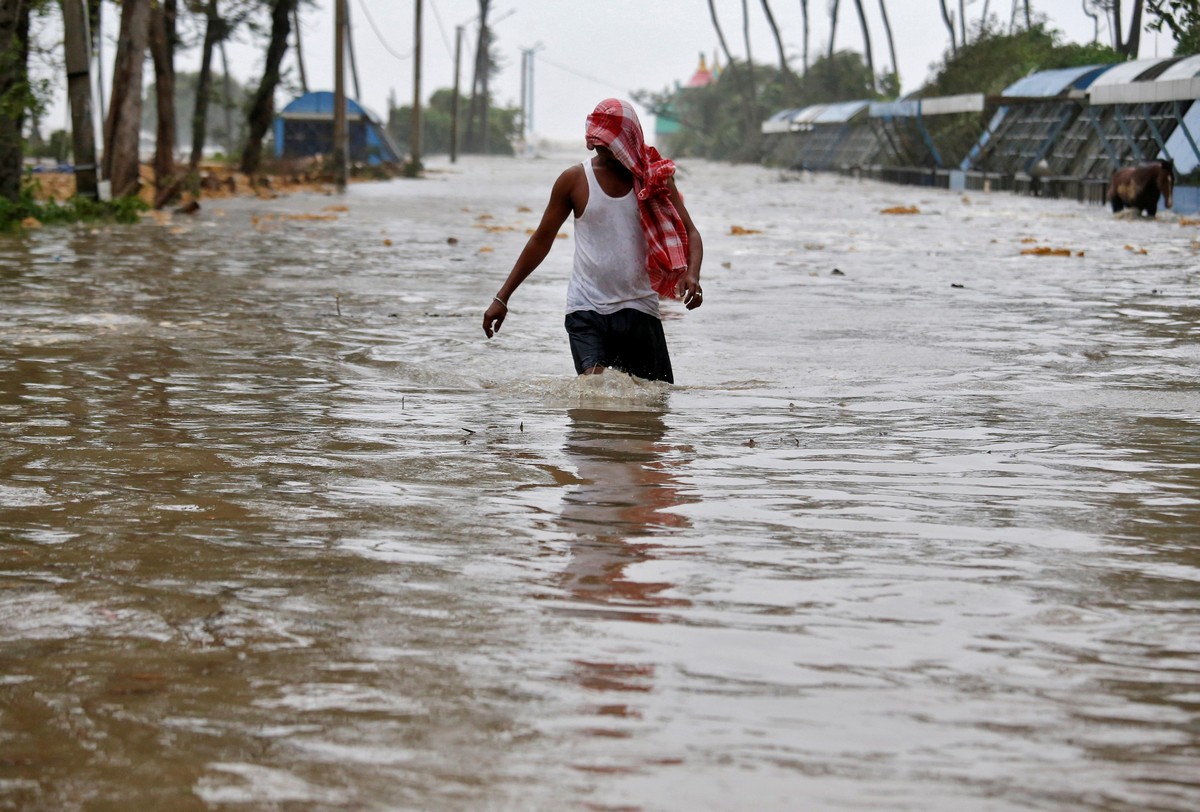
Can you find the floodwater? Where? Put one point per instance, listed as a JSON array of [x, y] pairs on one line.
[[918, 528]]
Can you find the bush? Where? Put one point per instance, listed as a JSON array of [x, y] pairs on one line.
[[13, 213]]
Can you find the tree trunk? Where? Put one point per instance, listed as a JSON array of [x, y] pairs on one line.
[[214, 31], [949, 21], [14, 92], [962, 22], [804, 15], [1118, 40], [749, 58], [833, 15], [887, 30], [1132, 45], [162, 48], [712, 10], [783, 64], [868, 51], [122, 127], [262, 109]]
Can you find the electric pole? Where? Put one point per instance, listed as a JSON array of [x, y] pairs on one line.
[[339, 94], [414, 166], [458, 32]]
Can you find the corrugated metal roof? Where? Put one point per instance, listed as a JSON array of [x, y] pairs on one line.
[[1127, 72], [1052, 82], [839, 113], [319, 104], [1186, 68]]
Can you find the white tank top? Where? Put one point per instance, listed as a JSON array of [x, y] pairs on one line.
[[610, 255]]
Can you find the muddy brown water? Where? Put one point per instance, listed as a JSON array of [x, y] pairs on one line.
[[279, 529]]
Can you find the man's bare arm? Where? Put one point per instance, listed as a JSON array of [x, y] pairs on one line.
[[536, 248], [687, 289]]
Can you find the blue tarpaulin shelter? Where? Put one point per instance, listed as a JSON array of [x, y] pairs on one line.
[[305, 128]]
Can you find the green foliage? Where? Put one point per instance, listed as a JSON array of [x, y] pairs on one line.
[[436, 120], [722, 122], [185, 105], [995, 60], [56, 147], [125, 210], [1181, 18]]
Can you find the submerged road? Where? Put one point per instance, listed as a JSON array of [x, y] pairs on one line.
[[916, 528]]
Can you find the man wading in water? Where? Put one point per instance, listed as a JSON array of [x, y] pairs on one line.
[[634, 242]]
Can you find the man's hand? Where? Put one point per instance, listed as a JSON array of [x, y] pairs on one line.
[[494, 317], [688, 291]]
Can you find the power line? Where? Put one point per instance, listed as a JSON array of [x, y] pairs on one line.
[[573, 72], [441, 28], [379, 36]]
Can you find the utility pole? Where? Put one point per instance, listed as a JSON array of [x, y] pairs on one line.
[[339, 94], [527, 90], [458, 32], [414, 165], [525, 55], [79, 93]]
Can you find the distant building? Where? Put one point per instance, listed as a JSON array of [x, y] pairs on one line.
[[305, 128], [666, 126]]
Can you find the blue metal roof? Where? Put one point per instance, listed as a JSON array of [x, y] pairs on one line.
[[320, 103], [840, 113], [1055, 82]]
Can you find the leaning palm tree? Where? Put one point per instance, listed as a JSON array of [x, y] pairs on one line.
[[804, 14], [749, 58], [833, 15], [948, 19], [868, 52], [887, 29], [783, 63]]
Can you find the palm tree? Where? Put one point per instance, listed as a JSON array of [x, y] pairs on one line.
[[712, 10], [804, 14], [123, 123], [833, 15], [14, 86], [948, 19], [887, 29], [215, 30], [262, 107], [869, 53], [783, 64], [163, 39]]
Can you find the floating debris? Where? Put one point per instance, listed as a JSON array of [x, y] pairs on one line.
[[837, 272], [1136, 250], [739, 231], [1047, 251], [901, 210]]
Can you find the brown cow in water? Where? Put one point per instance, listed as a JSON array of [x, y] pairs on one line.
[[1138, 187]]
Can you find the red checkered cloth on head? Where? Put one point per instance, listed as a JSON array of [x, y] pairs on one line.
[[615, 125]]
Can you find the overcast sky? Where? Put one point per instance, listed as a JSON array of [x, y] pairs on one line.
[[592, 49]]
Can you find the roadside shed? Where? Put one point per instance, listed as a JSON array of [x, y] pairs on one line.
[[305, 128], [1033, 113], [821, 136], [1134, 109]]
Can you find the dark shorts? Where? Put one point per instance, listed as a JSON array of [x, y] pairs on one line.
[[628, 340]]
